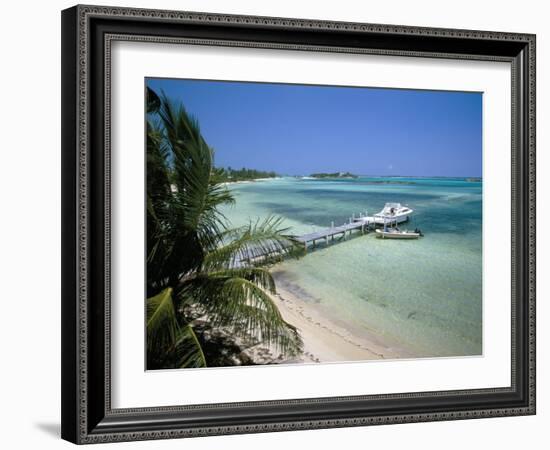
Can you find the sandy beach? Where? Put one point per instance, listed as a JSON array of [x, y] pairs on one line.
[[325, 340], [254, 180]]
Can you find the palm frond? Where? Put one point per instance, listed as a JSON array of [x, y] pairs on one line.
[[162, 325], [197, 197], [244, 307], [168, 343], [183, 217], [187, 349], [259, 276], [153, 101], [255, 244]]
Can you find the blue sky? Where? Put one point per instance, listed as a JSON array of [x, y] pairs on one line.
[[301, 129]]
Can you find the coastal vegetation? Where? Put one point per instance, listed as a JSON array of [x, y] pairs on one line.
[[229, 174], [205, 293], [333, 175]]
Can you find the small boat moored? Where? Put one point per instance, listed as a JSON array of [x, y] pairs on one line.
[[396, 233]]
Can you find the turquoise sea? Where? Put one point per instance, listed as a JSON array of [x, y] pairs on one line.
[[422, 295]]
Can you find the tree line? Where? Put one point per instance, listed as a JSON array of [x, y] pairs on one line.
[[228, 174]]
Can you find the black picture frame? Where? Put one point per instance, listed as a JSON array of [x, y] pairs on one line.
[[87, 416]]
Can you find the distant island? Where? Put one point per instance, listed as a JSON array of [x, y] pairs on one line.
[[473, 179], [229, 175], [334, 175]]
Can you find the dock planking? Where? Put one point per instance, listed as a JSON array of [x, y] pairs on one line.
[[332, 232], [362, 223]]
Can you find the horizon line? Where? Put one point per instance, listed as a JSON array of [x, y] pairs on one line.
[[358, 175]]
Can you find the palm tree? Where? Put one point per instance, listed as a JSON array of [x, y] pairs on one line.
[[199, 270]]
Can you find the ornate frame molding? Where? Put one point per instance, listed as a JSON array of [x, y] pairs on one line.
[[80, 424]]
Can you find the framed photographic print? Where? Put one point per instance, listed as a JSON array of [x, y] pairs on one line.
[[281, 224]]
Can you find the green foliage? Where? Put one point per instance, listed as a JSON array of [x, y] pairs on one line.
[[168, 343], [153, 101], [198, 270], [257, 243], [229, 175]]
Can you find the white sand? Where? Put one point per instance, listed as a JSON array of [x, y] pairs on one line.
[[327, 341], [254, 180]]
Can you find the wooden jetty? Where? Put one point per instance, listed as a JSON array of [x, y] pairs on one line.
[[363, 223], [341, 231]]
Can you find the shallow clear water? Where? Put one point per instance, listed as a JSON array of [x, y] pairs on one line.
[[424, 295]]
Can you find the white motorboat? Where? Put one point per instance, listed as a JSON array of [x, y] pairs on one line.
[[393, 213]]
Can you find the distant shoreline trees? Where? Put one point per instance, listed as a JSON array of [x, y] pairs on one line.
[[230, 175]]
